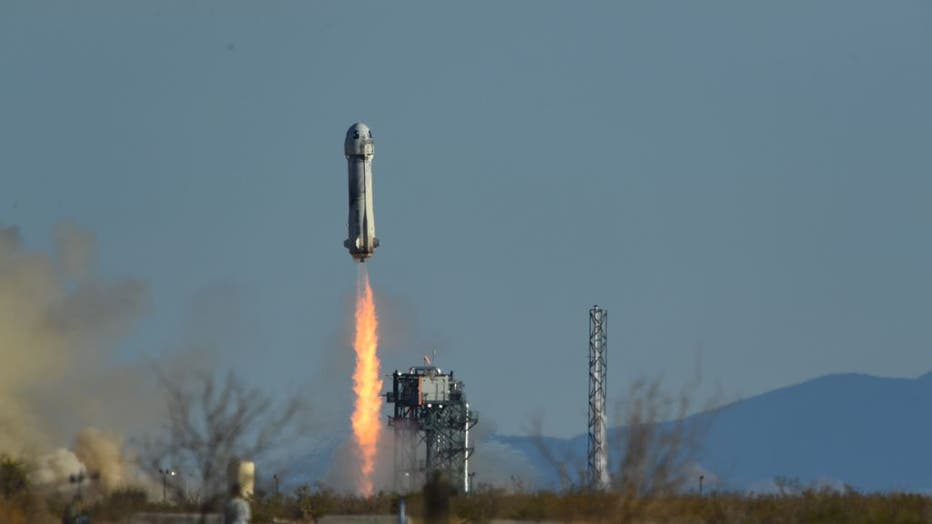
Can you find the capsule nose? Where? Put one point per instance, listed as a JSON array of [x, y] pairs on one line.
[[358, 131], [358, 140]]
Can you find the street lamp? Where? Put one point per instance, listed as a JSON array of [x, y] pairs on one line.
[[701, 478], [80, 477], [165, 474]]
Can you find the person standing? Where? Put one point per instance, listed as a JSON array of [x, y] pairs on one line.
[[74, 512], [237, 509]]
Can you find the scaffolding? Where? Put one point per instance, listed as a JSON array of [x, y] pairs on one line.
[[597, 452], [431, 419]]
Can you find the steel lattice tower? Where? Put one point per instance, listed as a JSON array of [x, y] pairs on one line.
[[597, 465]]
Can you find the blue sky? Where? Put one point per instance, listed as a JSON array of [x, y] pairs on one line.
[[748, 182]]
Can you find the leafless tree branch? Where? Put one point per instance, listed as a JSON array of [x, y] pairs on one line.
[[212, 421]]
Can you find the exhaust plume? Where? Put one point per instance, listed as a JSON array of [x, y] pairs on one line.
[[366, 383]]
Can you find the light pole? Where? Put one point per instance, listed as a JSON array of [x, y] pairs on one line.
[[79, 479], [277, 480], [701, 478], [165, 474]]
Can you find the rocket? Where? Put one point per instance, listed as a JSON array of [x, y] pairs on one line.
[[359, 150]]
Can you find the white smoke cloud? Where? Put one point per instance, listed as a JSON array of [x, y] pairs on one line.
[[104, 454], [52, 470], [59, 325], [100, 456]]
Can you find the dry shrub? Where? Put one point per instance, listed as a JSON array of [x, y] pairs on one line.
[[810, 506], [12, 514], [14, 477], [652, 452], [119, 505]]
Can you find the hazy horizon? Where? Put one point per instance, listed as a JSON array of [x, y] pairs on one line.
[[746, 186]]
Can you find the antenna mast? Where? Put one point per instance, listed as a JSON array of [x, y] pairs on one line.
[[597, 465]]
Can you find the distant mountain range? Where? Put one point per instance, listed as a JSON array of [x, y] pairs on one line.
[[872, 433]]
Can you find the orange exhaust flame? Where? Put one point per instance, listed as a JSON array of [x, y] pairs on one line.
[[366, 382]]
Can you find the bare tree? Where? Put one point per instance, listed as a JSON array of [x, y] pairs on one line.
[[657, 448], [658, 444], [569, 466], [211, 422], [653, 450]]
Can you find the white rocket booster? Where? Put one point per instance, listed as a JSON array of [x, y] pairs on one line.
[[359, 150]]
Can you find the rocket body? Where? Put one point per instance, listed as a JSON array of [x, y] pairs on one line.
[[359, 150]]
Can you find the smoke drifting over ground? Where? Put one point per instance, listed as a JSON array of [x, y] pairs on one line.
[[497, 464], [344, 472], [58, 326], [494, 463]]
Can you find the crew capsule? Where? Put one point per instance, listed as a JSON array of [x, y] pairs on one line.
[[359, 150]]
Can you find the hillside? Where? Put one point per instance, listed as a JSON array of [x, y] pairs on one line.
[[869, 432]]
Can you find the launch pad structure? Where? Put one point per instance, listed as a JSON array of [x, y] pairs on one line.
[[431, 421]]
